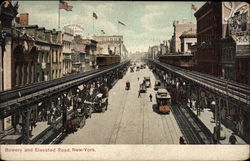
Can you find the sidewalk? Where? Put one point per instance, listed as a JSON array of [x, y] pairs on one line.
[[40, 127], [206, 117]]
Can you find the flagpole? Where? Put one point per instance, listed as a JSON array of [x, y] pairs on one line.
[[93, 26], [59, 16], [118, 27], [191, 18]]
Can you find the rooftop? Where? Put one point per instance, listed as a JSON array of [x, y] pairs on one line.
[[190, 33]]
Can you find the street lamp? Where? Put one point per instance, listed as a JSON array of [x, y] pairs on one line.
[[217, 121]]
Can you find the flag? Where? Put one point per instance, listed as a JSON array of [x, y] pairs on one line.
[[94, 15], [69, 8], [64, 5], [119, 22], [193, 7]]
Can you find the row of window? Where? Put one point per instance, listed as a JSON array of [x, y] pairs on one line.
[[44, 57], [108, 39], [66, 45], [24, 74]]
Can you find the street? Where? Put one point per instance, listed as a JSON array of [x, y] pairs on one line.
[[129, 119]]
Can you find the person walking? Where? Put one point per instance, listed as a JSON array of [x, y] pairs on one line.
[[181, 140], [138, 78], [232, 139], [150, 96], [139, 93]]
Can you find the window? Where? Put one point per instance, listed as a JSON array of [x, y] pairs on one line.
[[189, 44]]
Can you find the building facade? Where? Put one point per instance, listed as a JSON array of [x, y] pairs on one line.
[[78, 57], [77, 29], [8, 12], [209, 33], [179, 28], [153, 51], [49, 63], [67, 50], [107, 44], [235, 44], [56, 54], [188, 38], [90, 47]]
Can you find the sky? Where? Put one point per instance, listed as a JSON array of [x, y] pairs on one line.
[[147, 23]]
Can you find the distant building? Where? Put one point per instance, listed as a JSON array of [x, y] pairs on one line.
[[188, 38], [110, 44], [67, 50], [78, 57], [193, 50], [77, 29], [179, 28], [163, 48], [90, 47], [153, 52], [171, 45]]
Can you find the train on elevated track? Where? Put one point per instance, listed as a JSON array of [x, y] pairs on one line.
[[105, 60], [180, 60]]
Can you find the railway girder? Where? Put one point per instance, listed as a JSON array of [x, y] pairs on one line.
[[209, 91], [59, 99]]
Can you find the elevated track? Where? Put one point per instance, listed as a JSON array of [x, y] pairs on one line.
[[232, 90], [12, 101]]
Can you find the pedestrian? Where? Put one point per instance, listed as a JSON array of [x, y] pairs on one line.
[[232, 139], [139, 93], [138, 78], [181, 140], [150, 96]]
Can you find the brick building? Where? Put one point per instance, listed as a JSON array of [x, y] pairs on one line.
[[216, 47], [209, 33]]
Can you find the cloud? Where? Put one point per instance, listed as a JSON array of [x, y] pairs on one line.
[[147, 23]]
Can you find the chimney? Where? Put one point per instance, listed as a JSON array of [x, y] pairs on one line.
[[24, 19]]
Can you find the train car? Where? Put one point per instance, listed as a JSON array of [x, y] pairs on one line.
[[105, 60], [163, 100], [180, 60]]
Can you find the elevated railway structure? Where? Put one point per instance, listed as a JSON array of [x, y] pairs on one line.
[[229, 100], [56, 99]]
